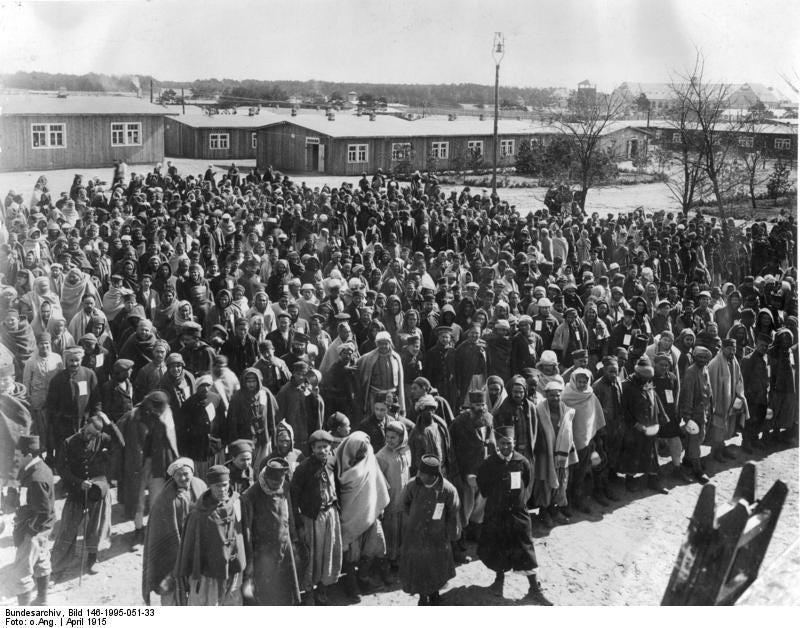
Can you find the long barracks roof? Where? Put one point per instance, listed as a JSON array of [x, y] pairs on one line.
[[46, 104], [348, 125], [227, 121]]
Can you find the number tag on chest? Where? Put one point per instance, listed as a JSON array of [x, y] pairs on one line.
[[516, 480], [537, 325], [99, 360], [626, 340], [210, 411], [438, 511], [668, 396], [83, 388]]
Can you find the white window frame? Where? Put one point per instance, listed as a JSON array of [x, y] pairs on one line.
[[746, 142], [676, 138], [440, 150], [219, 141], [254, 139], [49, 128], [401, 151], [472, 145], [128, 134], [783, 143], [357, 153], [507, 148]]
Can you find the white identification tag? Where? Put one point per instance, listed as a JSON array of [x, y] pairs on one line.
[[626, 340], [83, 388], [438, 511], [537, 325], [577, 335], [516, 480], [99, 360], [791, 359], [152, 304], [668, 395], [210, 411]]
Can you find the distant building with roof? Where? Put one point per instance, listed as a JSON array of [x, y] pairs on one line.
[[216, 137], [349, 145], [50, 131]]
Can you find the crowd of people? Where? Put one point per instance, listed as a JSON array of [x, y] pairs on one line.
[[290, 387]]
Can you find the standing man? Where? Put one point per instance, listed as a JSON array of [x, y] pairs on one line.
[[313, 494], [730, 408], [37, 374], [164, 532], [84, 465], [695, 409], [269, 533], [431, 506], [72, 395], [212, 555], [473, 442], [381, 370], [506, 543], [32, 524], [755, 374]]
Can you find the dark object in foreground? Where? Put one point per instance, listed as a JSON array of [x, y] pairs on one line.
[[724, 546]]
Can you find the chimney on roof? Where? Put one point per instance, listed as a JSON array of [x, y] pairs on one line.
[[358, 113], [482, 117], [331, 116], [372, 117], [294, 112], [451, 116]]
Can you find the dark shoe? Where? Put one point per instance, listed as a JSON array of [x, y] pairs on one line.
[[91, 564], [681, 474], [496, 588], [321, 596], [655, 485], [546, 520], [631, 485], [434, 599], [535, 592], [566, 511], [600, 499], [729, 453], [42, 584], [611, 495], [307, 599], [719, 456], [138, 539], [423, 600], [699, 472], [559, 517], [582, 506], [460, 553], [385, 571], [350, 583]]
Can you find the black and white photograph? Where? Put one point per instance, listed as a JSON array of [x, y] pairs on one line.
[[423, 303]]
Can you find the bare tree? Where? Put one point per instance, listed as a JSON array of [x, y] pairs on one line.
[[754, 157], [585, 123], [706, 103], [686, 173]]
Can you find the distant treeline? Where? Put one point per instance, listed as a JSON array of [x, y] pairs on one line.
[[308, 91]]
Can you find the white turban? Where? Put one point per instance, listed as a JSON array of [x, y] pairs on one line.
[[179, 464], [383, 335]]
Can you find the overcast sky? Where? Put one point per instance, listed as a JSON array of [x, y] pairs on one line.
[[549, 42]]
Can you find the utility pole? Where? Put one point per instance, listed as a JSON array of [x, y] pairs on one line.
[[498, 52], [183, 102]]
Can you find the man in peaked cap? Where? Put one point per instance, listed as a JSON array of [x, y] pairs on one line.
[[33, 524], [505, 479]]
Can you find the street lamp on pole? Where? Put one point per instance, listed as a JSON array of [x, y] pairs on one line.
[[498, 52]]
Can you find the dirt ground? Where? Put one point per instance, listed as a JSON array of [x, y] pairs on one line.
[[620, 555]]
